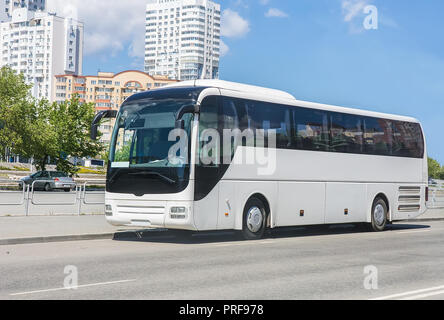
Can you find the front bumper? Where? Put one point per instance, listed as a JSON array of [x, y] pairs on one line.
[[150, 214]]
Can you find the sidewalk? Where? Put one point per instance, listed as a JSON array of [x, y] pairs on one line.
[[37, 229]]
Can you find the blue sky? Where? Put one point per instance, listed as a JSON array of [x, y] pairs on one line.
[[318, 50]]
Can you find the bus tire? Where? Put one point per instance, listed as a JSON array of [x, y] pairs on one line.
[[379, 215], [254, 220]]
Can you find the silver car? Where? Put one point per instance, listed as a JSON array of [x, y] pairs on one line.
[[50, 180]]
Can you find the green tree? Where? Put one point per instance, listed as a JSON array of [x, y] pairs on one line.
[[36, 137], [41, 130], [71, 121], [14, 96], [435, 169]]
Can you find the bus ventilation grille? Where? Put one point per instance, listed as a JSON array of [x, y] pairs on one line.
[[409, 199]]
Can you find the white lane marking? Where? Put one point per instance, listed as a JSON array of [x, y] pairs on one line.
[[78, 287], [238, 244], [409, 293], [416, 231]]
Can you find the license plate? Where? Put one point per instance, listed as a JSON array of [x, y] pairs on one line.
[[67, 186]]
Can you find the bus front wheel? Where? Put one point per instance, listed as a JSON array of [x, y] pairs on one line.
[[255, 220], [379, 215]]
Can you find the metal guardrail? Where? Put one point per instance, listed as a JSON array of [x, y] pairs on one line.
[[27, 198], [436, 197], [84, 196], [77, 189], [22, 186]]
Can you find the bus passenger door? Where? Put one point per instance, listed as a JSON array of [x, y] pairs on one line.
[[207, 167]]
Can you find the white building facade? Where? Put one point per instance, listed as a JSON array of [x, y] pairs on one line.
[[182, 39], [7, 7], [40, 45]]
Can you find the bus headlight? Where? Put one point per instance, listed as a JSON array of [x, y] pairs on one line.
[[108, 210], [178, 212]]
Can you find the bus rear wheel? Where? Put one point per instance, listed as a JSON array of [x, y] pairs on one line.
[[379, 215], [254, 220]]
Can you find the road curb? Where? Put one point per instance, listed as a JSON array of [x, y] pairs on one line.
[[120, 235], [102, 236]]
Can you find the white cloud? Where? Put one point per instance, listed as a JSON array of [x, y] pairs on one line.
[[111, 26], [233, 25], [224, 49], [264, 2], [353, 14], [353, 8], [275, 13]]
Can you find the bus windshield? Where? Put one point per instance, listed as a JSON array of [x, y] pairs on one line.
[[140, 144], [142, 132]]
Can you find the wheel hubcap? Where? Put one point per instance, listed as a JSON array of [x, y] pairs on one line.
[[379, 214], [255, 219]]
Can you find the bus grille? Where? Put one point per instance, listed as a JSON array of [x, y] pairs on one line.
[[409, 199], [133, 209]]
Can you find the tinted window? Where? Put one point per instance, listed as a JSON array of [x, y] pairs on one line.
[[209, 119], [346, 133], [254, 115], [317, 130], [310, 130], [408, 140], [267, 116], [229, 120], [377, 137]]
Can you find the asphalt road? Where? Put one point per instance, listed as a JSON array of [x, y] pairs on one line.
[[314, 263]]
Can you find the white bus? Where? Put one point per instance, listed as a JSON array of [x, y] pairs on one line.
[[328, 164]]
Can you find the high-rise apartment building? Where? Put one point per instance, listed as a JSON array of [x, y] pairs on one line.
[[182, 39], [40, 45], [8, 6]]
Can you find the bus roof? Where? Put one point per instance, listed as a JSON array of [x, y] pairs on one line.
[[283, 97], [234, 86]]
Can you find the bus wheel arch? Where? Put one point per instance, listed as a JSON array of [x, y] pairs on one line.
[[266, 205], [387, 202]]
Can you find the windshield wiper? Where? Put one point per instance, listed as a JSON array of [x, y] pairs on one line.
[[153, 173]]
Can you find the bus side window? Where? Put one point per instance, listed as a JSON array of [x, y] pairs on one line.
[[208, 121], [346, 133], [311, 130], [229, 120], [407, 140], [377, 137]]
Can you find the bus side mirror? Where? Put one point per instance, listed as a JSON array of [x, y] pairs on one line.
[[190, 108], [180, 124], [96, 121]]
